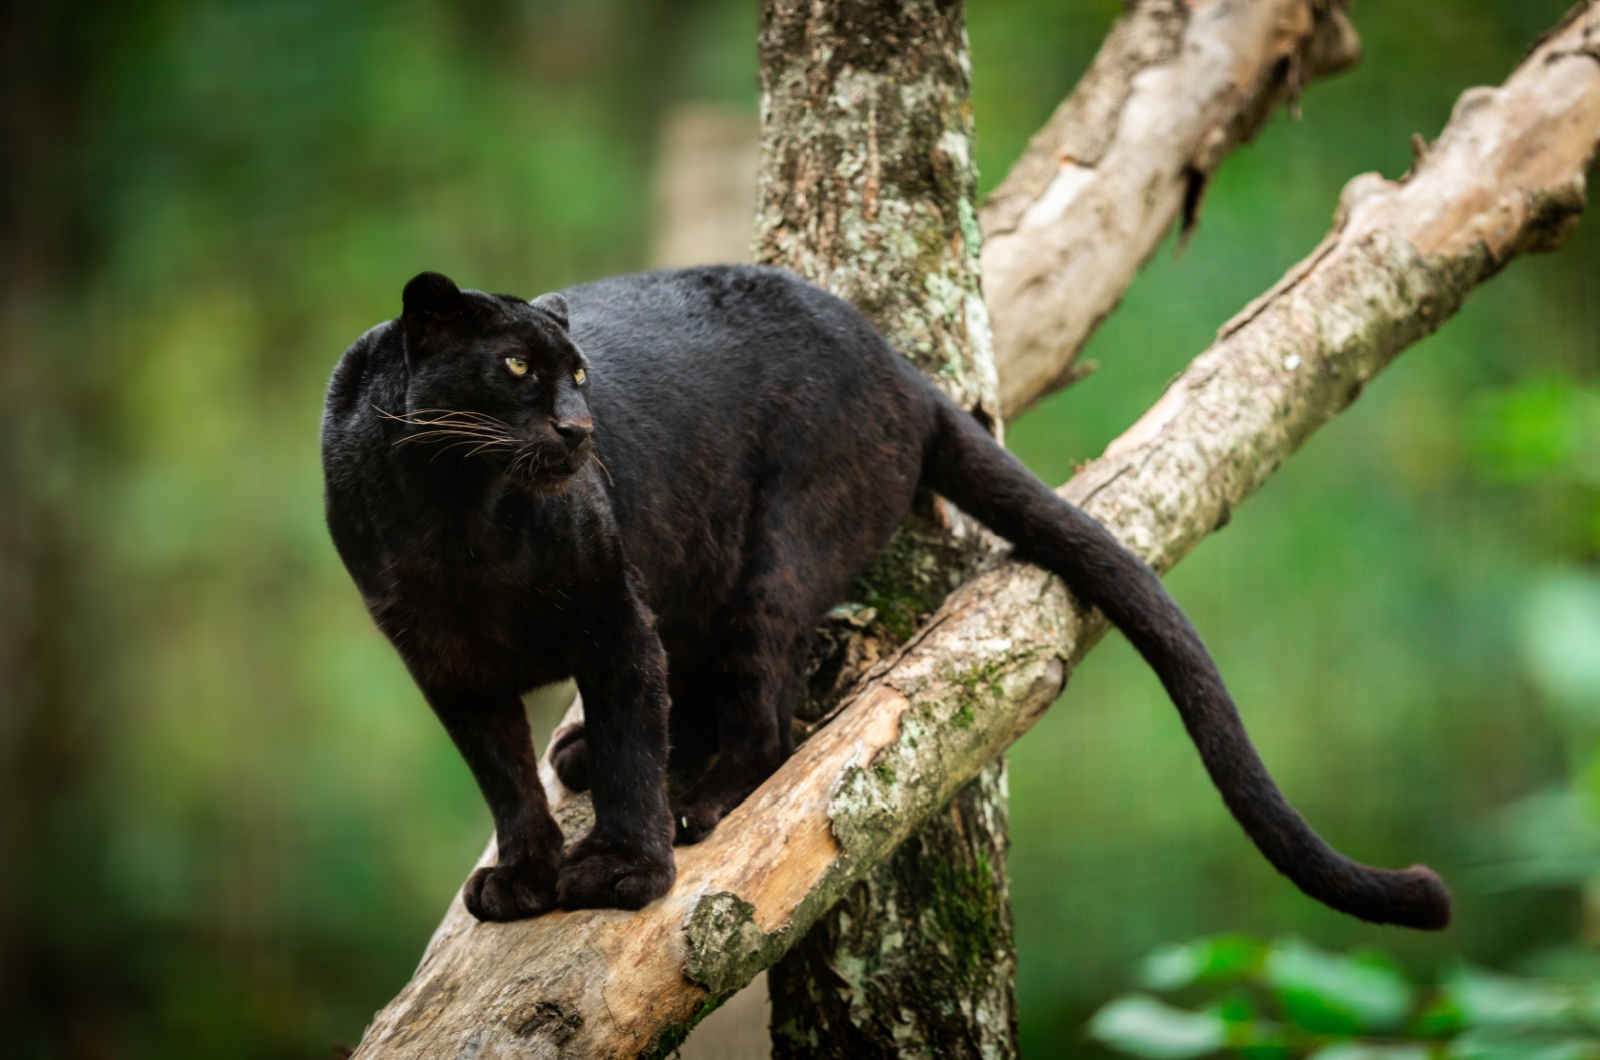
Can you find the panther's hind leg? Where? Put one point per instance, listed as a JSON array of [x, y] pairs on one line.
[[752, 696], [569, 757]]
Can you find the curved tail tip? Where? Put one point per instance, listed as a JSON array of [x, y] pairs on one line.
[[1421, 900]]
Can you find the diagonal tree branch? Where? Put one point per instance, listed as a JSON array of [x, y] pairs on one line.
[[1505, 178], [1176, 87]]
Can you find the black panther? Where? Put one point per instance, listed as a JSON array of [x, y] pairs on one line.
[[658, 484]]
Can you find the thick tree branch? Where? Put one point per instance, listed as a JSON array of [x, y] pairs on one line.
[[1177, 85], [1506, 177]]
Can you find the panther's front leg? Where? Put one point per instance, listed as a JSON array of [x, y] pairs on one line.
[[491, 731], [625, 861]]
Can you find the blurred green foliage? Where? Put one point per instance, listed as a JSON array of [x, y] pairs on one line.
[[228, 822], [1288, 1000]]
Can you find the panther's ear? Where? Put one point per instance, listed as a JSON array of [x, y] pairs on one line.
[[555, 305], [433, 295], [433, 306]]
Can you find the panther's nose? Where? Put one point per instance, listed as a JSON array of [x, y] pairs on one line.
[[573, 432]]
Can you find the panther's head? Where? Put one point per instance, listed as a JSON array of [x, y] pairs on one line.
[[495, 381]]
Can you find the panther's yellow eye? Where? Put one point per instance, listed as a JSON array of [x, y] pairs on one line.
[[517, 365], [579, 376]]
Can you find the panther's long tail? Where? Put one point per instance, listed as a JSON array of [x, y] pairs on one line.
[[965, 465]]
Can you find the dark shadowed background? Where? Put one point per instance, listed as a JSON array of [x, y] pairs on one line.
[[228, 822]]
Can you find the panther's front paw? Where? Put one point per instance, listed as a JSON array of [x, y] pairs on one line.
[[510, 892], [612, 875]]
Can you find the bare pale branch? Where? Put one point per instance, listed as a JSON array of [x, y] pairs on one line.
[[1174, 89]]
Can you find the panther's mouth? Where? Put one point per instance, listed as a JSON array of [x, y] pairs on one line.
[[543, 469]]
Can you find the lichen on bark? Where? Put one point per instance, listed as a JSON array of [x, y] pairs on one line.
[[928, 973], [726, 945], [866, 160]]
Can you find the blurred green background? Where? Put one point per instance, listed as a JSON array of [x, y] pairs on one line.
[[227, 821]]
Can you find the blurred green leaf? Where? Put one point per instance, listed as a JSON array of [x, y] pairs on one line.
[[1236, 1007], [1560, 641], [1487, 999], [1253, 1038], [1221, 958], [1547, 839], [1174, 967], [1487, 1045], [1270, 1044], [1333, 994], [1370, 1051], [1143, 1026], [1440, 1018]]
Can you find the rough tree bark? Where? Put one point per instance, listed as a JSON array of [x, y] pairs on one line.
[[1505, 178], [867, 187], [918, 959]]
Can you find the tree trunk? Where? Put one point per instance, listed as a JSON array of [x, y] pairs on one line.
[[867, 187]]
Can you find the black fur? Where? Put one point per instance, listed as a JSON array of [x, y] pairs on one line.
[[671, 531]]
